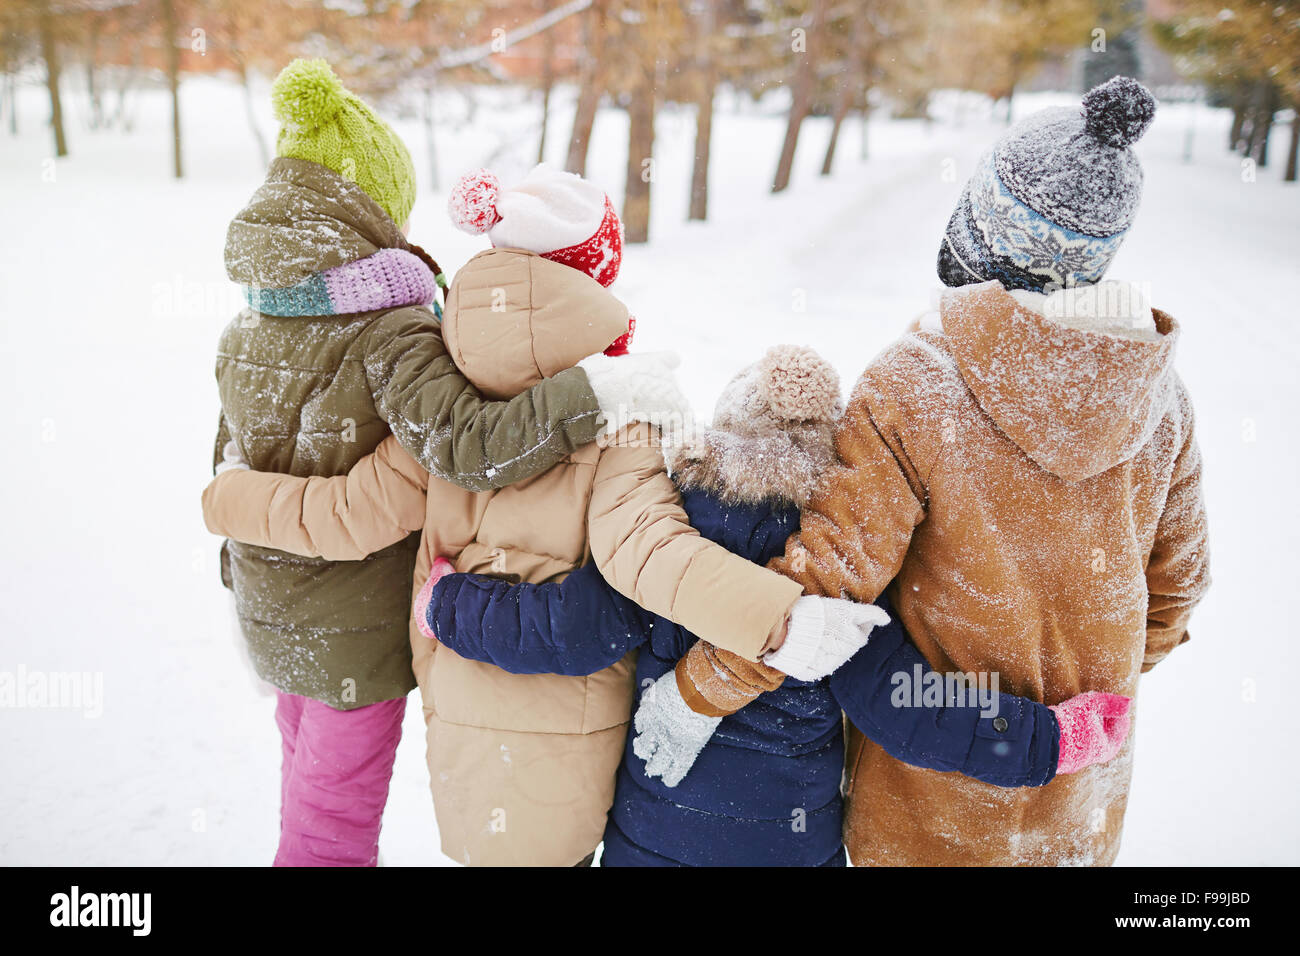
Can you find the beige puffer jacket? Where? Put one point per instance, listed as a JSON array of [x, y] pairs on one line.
[[522, 767]]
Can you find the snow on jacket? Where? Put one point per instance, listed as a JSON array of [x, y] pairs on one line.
[[312, 394], [761, 752], [522, 767], [1031, 496], [765, 790]]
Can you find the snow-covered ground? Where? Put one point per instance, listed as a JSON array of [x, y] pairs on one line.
[[113, 294]]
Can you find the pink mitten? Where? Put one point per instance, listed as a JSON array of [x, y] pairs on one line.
[[440, 569], [1094, 725]]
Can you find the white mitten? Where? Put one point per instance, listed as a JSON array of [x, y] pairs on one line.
[[824, 633], [230, 458], [669, 735], [638, 388]]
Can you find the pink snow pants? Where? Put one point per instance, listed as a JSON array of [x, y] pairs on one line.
[[334, 779]]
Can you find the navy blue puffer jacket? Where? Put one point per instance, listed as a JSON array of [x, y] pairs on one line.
[[765, 791]]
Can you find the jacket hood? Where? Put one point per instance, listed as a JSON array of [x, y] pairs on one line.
[[302, 220], [514, 318], [1076, 401]]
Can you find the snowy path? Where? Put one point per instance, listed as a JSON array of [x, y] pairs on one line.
[[113, 294]]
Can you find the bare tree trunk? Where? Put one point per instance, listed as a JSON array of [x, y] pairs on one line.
[[864, 140], [1266, 124], [1239, 105], [583, 121], [640, 162], [430, 140], [829, 159], [708, 80], [50, 53], [6, 77], [548, 81], [699, 206], [92, 88], [1261, 149], [11, 95], [1254, 121], [590, 83], [244, 80], [801, 92], [1246, 145], [1293, 151], [1015, 67], [121, 117], [846, 93], [173, 80]]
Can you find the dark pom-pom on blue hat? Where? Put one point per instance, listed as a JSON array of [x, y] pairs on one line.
[[1050, 204], [1119, 111]]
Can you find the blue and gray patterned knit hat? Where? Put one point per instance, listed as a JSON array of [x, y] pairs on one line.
[[1050, 203]]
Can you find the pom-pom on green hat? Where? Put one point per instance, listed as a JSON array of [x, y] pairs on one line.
[[324, 122]]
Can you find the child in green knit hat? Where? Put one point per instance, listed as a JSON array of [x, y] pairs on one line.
[[324, 122]]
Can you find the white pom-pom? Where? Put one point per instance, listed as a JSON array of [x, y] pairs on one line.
[[472, 204]]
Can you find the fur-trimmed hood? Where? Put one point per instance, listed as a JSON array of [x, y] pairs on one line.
[[772, 435]]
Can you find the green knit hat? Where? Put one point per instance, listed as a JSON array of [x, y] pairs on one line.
[[324, 122]]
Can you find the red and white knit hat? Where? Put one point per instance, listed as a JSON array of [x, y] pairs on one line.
[[557, 215]]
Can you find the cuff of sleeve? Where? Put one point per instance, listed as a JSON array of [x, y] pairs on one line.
[[595, 370], [798, 652], [1049, 747], [1154, 657], [421, 609], [691, 695]]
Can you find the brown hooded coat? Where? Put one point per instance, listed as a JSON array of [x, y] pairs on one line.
[[1033, 492]]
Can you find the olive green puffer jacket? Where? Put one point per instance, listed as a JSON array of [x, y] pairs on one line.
[[312, 395]]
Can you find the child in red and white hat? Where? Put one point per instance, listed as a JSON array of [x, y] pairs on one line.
[[560, 216]]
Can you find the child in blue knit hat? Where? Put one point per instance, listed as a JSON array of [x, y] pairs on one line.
[[1051, 202]]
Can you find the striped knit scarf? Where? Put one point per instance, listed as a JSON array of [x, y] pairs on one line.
[[386, 280]]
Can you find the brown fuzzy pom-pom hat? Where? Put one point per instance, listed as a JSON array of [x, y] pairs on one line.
[[772, 433], [789, 385]]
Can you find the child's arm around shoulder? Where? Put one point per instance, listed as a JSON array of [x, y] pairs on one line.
[[343, 518], [577, 626], [452, 429], [643, 543], [1016, 745], [858, 526]]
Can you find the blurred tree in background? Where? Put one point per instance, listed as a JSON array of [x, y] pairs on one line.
[[1248, 56], [838, 59], [1115, 40]]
